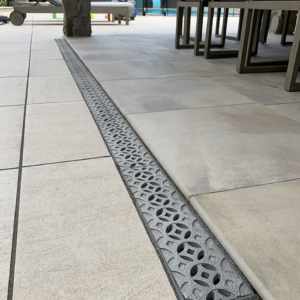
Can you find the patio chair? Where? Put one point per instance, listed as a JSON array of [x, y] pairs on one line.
[[208, 53], [228, 37], [266, 24], [185, 8], [244, 65]]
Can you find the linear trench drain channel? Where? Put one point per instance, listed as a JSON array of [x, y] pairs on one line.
[[197, 267]]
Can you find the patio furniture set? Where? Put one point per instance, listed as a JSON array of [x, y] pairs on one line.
[[21, 8], [252, 28]]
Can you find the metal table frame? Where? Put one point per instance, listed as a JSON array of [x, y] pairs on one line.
[[244, 65], [184, 9]]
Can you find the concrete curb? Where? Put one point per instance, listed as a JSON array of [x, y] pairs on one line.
[[249, 274]]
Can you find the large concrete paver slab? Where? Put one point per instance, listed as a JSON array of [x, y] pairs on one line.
[[221, 148], [46, 37], [52, 89], [172, 54], [12, 37], [134, 69], [8, 191], [14, 68], [256, 90], [84, 240], [101, 55], [291, 110], [48, 68], [104, 43], [13, 90], [14, 51], [44, 45], [161, 94], [202, 68], [45, 54], [61, 132], [148, 45], [11, 123], [276, 79], [262, 223]]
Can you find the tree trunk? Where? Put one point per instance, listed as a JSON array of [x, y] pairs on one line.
[[77, 18]]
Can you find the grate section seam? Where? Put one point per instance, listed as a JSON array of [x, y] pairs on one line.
[[197, 267]]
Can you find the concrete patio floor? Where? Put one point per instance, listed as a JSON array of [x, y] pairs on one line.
[[230, 142], [79, 235], [213, 131]]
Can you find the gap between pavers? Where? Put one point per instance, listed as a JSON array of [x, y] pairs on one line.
[[241, 264]]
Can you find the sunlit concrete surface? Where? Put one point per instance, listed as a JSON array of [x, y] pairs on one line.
[[212, 131], [229, 141], [79, 234]]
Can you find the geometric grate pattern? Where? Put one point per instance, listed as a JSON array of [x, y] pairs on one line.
[[196, 265]]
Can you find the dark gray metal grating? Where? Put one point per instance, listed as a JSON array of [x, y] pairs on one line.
[[196, 265]]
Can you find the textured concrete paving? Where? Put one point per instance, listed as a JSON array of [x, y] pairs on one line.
[[61, 132], [201, 146], [212, 130], [79, 234], [52, 89], [80, 237], [268, 217]]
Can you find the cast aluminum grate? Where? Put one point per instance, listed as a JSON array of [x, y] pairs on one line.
[[196, 265]]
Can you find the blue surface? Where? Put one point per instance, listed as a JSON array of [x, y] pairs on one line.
[[156, 3]]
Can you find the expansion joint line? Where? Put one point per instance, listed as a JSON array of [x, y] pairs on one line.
[[196, 266], [11, 278]]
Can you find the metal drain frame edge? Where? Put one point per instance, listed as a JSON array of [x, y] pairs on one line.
[[166, 267]]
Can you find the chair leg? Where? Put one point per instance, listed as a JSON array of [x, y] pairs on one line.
[[286, 20], [199, 27], [246, 29], [210, 18], [240, 24], [187, 25], [178, 26], [265, 26], [257, 31], [218, 22], [224, 26], [294, 63]]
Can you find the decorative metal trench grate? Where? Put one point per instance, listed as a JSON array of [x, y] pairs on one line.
[[197, 267]]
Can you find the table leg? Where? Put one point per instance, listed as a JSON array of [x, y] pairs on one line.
[[246, 29], [178, 26], [210, 19], [257, 24], [294, 63], [199, 26], [187, 25], [285, 28], [265, 26], [218, 22], [224, 27]]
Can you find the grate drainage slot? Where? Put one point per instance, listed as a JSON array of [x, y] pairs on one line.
[[197, 267]]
